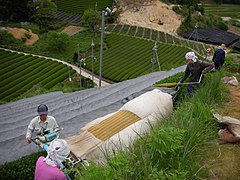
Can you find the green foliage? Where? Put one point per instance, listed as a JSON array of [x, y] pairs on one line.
[[232, 65], [8, 39], [56, 25], [20, 73], [43, 12], [172, 79], [79, 6], [182, 10], [188, 3], [163, 143], [22, 168], [209, 21], [92, 19], [159, 36], [57, 42], [129, 57], [15, 11], [223, 10]]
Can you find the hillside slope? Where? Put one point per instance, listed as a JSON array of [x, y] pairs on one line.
[[72, 111], [155, 15]]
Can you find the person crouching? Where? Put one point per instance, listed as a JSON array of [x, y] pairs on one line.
[[49, 168]]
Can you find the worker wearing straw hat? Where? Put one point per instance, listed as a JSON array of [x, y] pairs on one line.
[[219, 56]]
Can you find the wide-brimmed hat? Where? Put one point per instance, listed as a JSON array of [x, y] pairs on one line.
[[223, 46]]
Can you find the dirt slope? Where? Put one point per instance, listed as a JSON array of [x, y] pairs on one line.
[[155, 15], [225, 157], [20, 33]]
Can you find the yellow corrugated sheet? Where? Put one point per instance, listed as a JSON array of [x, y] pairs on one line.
[[113, 124]]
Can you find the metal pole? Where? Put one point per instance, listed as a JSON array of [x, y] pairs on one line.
[[80, 80], [159, 67], [80, 62], [69, 78], [92, 61], [101, 49], [152, 64], [155, 55]]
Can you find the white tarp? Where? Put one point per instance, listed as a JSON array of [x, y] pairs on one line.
[[118, 130]]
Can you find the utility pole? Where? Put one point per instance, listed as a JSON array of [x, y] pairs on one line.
[[194, 33], [92, 61], [101, 49], [80, 69], [155, 57], [153, 60], [104, 13]]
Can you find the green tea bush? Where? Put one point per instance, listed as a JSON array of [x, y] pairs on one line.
[[20, 169]]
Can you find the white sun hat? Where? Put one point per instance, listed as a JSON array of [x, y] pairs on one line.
[[57, 152], [191, 55]]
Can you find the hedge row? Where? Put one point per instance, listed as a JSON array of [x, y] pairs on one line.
[[159, 36], [79, 6], [129, 57], [21, 72]]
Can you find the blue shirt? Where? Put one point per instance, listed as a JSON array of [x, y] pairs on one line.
[[219, 55]]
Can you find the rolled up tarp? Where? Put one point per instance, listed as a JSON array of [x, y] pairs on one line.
[[118, 130]]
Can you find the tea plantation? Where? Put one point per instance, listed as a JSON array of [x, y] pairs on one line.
[[19, 72]]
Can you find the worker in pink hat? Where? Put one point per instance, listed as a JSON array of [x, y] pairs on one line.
[[196, 68], [49, 168]]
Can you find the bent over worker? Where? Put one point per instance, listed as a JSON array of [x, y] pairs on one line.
[[49, 168], [219, 56], [196, 68], [41, 123]]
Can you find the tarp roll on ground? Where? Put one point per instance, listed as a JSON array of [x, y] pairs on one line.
[[118, 130]]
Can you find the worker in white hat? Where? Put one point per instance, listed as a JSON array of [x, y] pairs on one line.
[[196, 68], [49, 168]]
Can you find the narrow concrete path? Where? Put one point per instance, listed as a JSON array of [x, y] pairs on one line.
[[84, 72]]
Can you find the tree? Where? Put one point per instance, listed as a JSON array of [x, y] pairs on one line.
[[14, 11], [75, 57], [43, 11], [57, 42], [92, 19]]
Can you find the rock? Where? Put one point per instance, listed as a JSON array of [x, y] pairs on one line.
[[231, 80]]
